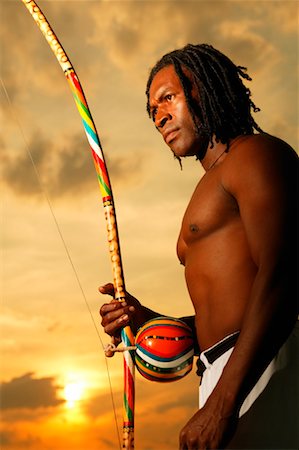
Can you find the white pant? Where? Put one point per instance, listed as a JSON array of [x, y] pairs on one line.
[[269, 414]]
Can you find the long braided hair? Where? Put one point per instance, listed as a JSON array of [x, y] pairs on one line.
[[224, 109]]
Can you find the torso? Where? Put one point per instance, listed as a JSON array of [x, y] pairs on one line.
[[219, 269]]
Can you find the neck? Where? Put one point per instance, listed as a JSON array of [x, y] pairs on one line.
[[214, 155]]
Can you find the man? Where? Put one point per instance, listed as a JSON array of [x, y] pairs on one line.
[[238, 245]]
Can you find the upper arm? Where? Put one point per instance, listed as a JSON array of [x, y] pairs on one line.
[[262, 177]]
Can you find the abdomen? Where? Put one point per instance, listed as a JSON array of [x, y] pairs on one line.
[[219, 273]]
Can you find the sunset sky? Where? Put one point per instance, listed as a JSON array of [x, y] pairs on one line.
[[55, 382]]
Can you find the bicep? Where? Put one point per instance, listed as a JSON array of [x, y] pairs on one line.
[[266, 196]]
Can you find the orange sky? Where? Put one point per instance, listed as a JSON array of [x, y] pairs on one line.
[[48, 340]]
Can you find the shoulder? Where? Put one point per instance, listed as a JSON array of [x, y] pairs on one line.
[[260, 155], [260, 166], [260, 146]]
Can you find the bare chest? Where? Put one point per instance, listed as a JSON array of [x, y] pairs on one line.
[[210, 210]]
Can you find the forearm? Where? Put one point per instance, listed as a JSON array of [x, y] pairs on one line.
[[265, 193], [269, 319]]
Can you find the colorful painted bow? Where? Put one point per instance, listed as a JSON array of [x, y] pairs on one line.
[[109, 209]]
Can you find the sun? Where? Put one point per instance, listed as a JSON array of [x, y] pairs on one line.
[[73, 392]]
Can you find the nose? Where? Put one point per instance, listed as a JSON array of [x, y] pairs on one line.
[[161, 118]]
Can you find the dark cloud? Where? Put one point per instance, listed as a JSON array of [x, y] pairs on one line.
[[126, 39], [22, 45], [237, 28], [11, 438], [73, 172], [26, 392], [64, 170], [128, 169], [20, 48], [166, 398], [17, 170]]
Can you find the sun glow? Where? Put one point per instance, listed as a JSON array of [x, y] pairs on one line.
[[73, 392]]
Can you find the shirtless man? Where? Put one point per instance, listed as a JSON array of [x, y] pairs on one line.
[[237, 243]]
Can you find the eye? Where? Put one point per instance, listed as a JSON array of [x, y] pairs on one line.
[[169, 97]]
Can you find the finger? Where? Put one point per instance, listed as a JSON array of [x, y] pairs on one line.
[[115, 326], [190, 442], [107, 289], [114, 310], [109, 307], [115, 316], [182, 441]]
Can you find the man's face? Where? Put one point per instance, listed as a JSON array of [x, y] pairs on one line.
[[172, 118]]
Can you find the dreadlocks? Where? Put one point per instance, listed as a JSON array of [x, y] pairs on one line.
[[224, 110]]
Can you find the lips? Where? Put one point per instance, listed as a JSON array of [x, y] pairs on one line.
[[169, 135]]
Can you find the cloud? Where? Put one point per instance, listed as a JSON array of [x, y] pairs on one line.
[[275, 14], [26, 392], [18, 171], [135, 35], [243, 39], [11, 438], [64, 168], [177, 401], [99, 404], [153, 399], [73, 168], [23, 50]]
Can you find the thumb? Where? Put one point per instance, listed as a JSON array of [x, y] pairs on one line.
[[107, 289]]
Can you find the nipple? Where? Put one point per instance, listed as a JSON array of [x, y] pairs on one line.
[[193, 228]]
